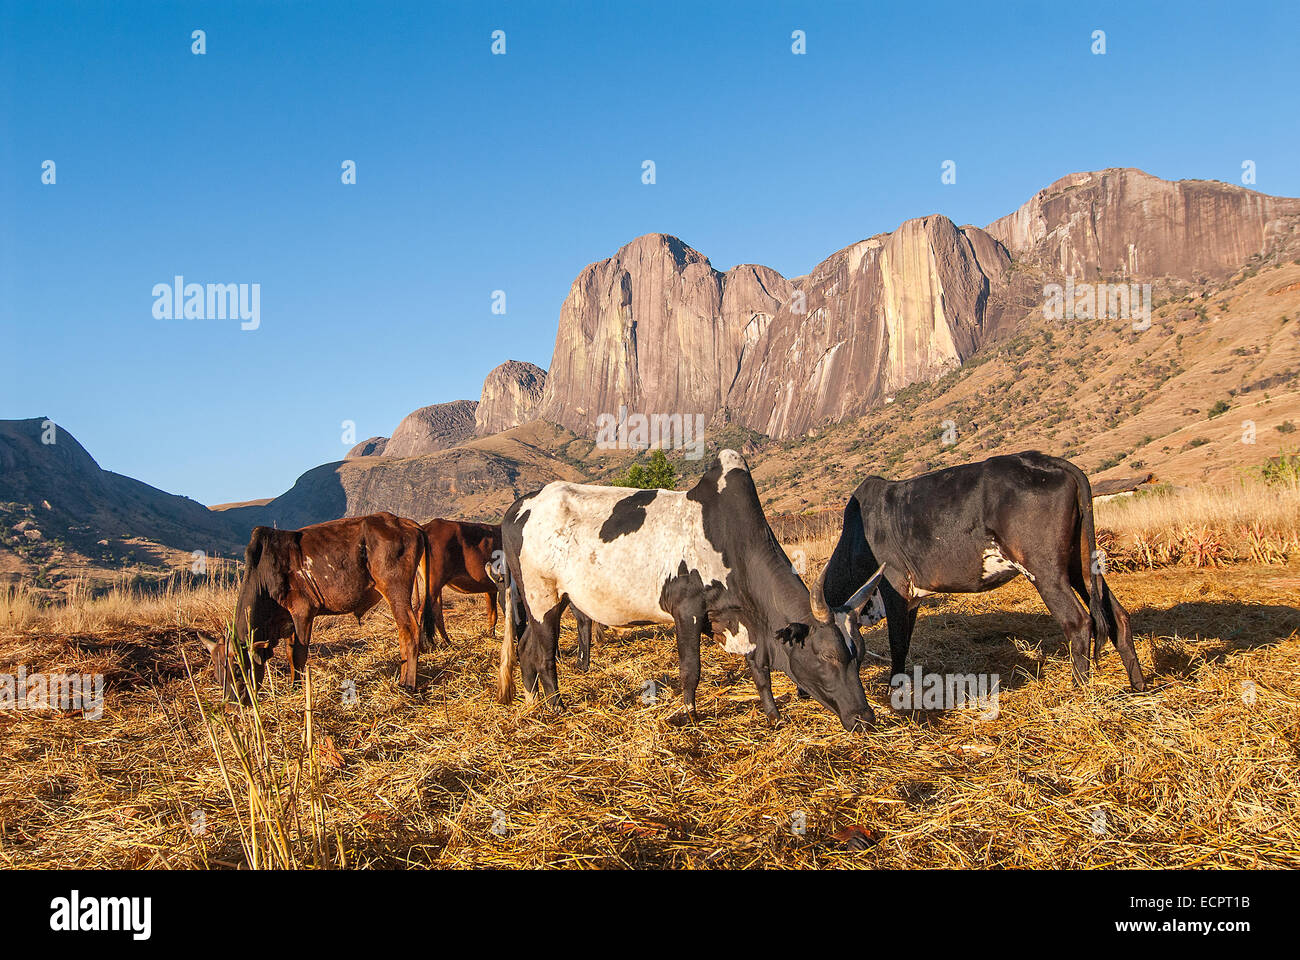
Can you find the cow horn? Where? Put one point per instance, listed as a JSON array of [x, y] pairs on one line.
[[210, 644], [858, 599], [818, 597], [491, 573]]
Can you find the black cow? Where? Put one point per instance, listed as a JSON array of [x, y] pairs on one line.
[[972, 528], [703, 560]]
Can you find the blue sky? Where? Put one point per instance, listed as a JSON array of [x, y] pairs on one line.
[[478, 173]]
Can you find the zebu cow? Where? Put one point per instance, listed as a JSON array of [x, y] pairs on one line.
[[703, 560], [972, 528], [460, 556], [293, 576]]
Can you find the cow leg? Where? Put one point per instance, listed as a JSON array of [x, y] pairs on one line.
[[1122, 631], [491, 599], [762, 674], [688, 626], [585, 626], [299, 644], [1073, 617], [438, 620], [408, 631], [537, 661], [901, 621]]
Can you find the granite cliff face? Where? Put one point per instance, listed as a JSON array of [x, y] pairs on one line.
[[431, 429], [656, 328], [1122, 222], [873, 317], [512, 393]]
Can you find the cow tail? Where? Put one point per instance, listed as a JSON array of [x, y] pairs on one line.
[[506, 667], [427, 616], [1097, 585]]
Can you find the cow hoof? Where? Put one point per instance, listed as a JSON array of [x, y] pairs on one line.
[[862, 723], [684, 718]]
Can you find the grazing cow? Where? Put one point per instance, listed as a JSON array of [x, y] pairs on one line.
[[460, 555], [703, 560], [972, 528], [293, 576]]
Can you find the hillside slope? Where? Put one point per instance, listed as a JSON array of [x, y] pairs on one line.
[[61, 513], [1178, 399], [475, 480]]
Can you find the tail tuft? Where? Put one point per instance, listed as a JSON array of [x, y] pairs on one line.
[[428, 617], [1097, 584], [506, 665]]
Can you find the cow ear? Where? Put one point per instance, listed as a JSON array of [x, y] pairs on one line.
[[792, 633], [262, 651], [210, 644]]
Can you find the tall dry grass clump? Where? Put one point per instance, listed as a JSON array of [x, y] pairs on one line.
[[1253, 520], [82, 607], [272, 779]]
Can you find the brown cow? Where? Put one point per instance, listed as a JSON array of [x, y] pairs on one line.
[[460, 552], [342, 566]]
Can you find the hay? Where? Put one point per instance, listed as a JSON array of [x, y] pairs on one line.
[[1203, 771]]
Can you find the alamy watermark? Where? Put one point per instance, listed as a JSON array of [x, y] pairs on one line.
[[179, 300], [1098, 301], [643, 431], [62, 691], [75, 913], [946, 691]]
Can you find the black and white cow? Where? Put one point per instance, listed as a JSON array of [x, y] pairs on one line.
[[972, 528], [704, 560]]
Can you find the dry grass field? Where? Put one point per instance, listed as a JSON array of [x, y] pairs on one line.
[[1201, 771]]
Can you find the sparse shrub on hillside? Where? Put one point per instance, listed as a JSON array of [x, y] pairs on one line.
[[1284, 469], [1220, 407], [1287, 427], [657, 473]]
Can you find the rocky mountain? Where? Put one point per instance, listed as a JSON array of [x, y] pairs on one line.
[[433, 428], [654, 327], [1122, 222], [1211, 390], [512, 394], [870, 319], [476, 480], [658, 329], [374, 447]]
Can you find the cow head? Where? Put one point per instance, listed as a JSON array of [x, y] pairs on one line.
[[239, 658], [823, 659], [238, 666]]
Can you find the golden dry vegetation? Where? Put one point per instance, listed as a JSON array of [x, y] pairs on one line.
[[1203, 770]]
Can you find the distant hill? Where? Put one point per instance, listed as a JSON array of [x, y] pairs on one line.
[[61, 514], [475, 480]]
